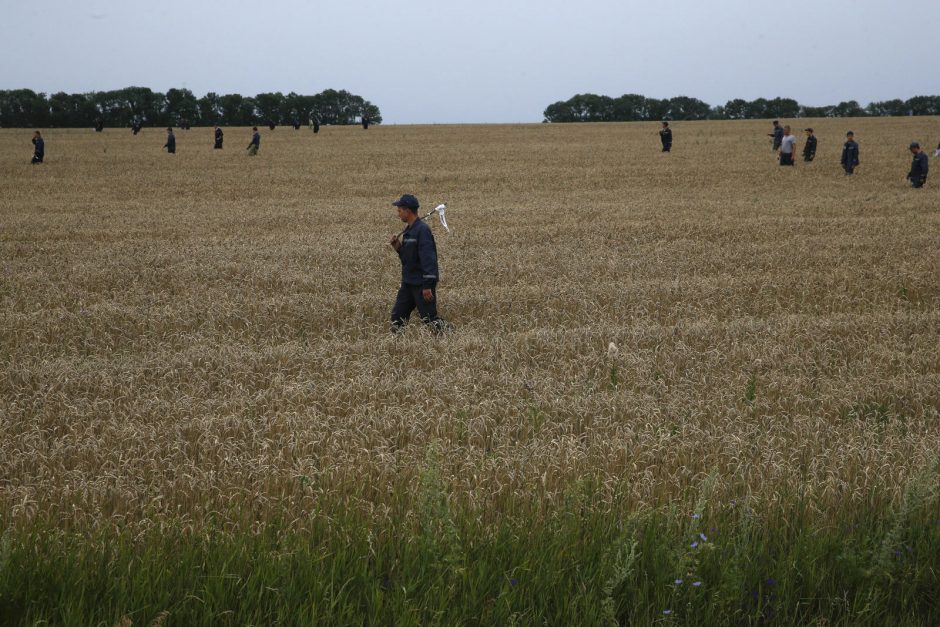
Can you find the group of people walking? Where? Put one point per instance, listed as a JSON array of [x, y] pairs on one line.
[[784, 144]]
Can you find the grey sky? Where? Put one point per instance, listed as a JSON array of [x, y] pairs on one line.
[[424, 61]]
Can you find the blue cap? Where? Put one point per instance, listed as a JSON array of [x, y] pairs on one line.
[[408, 201]]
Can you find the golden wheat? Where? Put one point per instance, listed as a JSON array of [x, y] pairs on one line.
[[204, 336]]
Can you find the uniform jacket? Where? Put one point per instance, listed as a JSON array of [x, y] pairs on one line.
[[809, 150], [850, 153], [418, 255], [256, 139], [919, 167], [40, 147], [170, 144], [778, 137], [665, 136]]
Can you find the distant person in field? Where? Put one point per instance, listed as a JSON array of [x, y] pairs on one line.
[[136, 125], [787, 147], [809, 150], [99, 124], [218, 138], [39, 148], [170, 144], [255, 143], [271, 124], [777, 136], [919, 166], [296, 123], [315, 124], [366, 121], [665, 136], [850, 154]]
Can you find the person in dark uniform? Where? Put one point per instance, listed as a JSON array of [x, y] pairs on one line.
[[255, 143], [919, 166], [218, 138], [665, 136], [136, 125], [170, 144], [271, 124], [39, 148], [99, 124], [366, 120], [850, 154], [419, 272], [315, 123], [809, 150], [777, 136], [296, 123]]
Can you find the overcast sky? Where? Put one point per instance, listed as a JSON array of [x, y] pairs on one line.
[[434, 61]]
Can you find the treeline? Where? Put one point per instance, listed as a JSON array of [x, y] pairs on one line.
[[26, 108], [634, 107]]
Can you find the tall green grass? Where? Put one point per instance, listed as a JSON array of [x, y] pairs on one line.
[[436, 563]]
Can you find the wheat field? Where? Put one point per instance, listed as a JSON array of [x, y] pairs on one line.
[[202, 338]]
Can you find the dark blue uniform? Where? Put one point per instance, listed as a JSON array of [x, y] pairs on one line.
[[778, 137], [850, 156], [418, 255], [170, 144], [39, 150], [809, 150], [218, 139], [919, 167], [665, 136]]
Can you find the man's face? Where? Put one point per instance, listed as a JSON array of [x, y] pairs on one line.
[[403, 213], [786, 130]]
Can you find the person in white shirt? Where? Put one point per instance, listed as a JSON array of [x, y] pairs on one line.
[[787, 147]]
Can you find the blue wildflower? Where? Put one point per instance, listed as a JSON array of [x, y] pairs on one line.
[[696, 516], [702, 536], [513, 582], [694, 545], [678, 582], [696, 583], [667, 612]]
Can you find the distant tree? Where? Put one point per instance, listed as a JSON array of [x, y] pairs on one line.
[[686, 108], [782, 108], [23, 108], [815, 112], [736, 109], [629, 108], [268, 106], [923, 105], [848, 109], [237, 110], [180, 104], [210, 109], [71, 110], [894, 107]]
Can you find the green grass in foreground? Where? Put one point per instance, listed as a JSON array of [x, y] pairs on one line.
[[437, 566]]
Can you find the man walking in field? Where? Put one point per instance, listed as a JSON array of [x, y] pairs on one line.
[[39, 148], [777, 136], [809, 150], [255, 143], [918, 174], [219, 136], [419, 272], [170, 144], [850, 154], [665, 136], [787, 147]]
